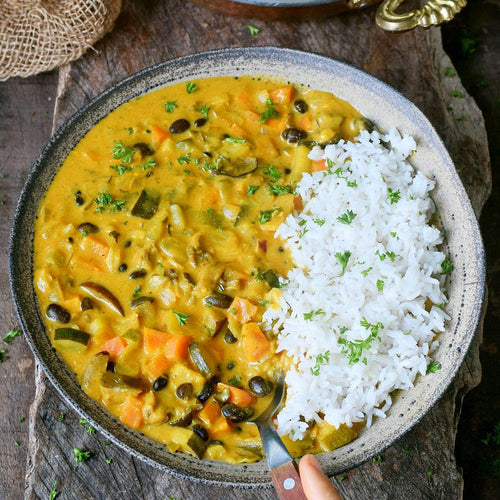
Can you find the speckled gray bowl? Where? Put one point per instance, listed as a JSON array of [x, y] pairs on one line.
[[378, 102]]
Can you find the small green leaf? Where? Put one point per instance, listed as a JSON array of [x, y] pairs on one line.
[[181, 318], [191, 87], [253, 30], [170, 106]]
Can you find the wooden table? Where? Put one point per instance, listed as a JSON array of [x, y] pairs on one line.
[[146, 33]]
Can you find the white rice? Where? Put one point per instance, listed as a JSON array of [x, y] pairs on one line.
[[392, 243]]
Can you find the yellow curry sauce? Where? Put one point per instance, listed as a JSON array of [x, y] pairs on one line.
[[155, 257]]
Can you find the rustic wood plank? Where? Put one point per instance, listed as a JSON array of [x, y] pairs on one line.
[[414, 63], [26, 108]]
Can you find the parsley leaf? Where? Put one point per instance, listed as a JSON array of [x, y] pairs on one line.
[[11, 335], [170, 106], [266, 215], [252, 189], [151, 163], [366, 271], [278, 189], [118, 205], [394, 196], [378, 459], [433, 367], [130, 130], [320, 222], [253, 30], [184, 159], [343, 259], [181, 318], [456, 93], [347, 218], [235, 381], [53, 492], [380, 285], [204, 110], [447, 266], [269, 112], [120, 152], [136, 292], [321, 359], [191, 87], [449, 72], [121, 169], [273, 173], [80, 455], [309, 315]]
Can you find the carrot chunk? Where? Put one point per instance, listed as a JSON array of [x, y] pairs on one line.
[[94, 246], [158, 366], [318, 165], [210, 412], [177, 347], [254, 343], [283, 95], [159, 134], [114, 346], [220, 426], [238, 396], [243, 310], [243, 99], [131, 413], [154, 340]]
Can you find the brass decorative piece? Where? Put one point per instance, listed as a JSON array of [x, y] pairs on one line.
[[433, 13]]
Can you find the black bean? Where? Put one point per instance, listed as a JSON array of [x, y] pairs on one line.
[[201, 431], [110, 367], [207, 390], [140, 273], [288, 171], [229, 337], [300, 106], [55, 312], [70, 239], [179, 126], [236, 413], [200, 122], [87, 228], [127, 244], [231, 365], [208, 154], [183, 421], [144, 149], [86, 304], [184, 391], [259, 386], [281, 249], [160, 383], [79, 198], [123, 267], [293, 135], [115, 235], [189, 279], [141, 300]]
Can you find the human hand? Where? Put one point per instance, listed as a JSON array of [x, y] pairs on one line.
[[315, 483]]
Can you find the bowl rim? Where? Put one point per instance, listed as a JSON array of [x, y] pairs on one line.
[[121, 85], [285, 3]]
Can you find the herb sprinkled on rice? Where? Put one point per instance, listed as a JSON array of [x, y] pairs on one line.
[[353, 316]]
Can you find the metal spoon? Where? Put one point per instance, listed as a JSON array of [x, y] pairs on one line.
[[282, 467]]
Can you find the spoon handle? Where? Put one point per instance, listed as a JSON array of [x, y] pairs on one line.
[[287, 482]]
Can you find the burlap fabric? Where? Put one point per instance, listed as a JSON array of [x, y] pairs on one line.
[[39, 35]]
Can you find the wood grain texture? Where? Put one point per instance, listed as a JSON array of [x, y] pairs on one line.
[[414, 63], [287, 482], [17, 123]]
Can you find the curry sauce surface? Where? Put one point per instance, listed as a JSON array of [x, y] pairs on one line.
[[155, 257]]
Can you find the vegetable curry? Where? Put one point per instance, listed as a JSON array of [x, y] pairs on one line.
[[155, 257]]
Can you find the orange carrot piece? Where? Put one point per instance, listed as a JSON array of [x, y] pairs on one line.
[[242, 310], [254, 343], [154, 339], [115, 347], [278, 124], [158, 366], [238, 130], [95, 246], [283, 95], [177, 347], [307, 123], [220, 426], [131, 413], [238, 396], [318, 165], [243, 99], [251, 116], [210, 412], [78, 263], [159, 134]]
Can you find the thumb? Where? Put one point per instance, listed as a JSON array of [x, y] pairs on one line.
[[316, 484]]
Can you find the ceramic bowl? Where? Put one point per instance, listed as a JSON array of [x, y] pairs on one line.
[[378, 102]]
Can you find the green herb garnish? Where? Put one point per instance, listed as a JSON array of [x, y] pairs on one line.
[[265, 215], [53, 492], [191, 87], [269, 112], [433, 367], [449, 72], [120, 152], [235, 140], [394, 196], [252, 189], [309, 315], [343, 259], [181, 318], [204, 110], [278, 189], [253, 29], [184, 159], [11, 335], [130, 130], [121, 169], [447, 266], [235, 381], [80, 455], [347, 218], [380, 285], [151, 163], [136, 292], [320, 222], [273, 173], [366, 271], [321, 359], [378, 459], [170, 106], [456, 93]]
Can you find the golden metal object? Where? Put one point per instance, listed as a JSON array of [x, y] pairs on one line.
[[433, 13]]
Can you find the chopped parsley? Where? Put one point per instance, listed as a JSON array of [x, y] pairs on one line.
[[170, 106], [21, 420], [184, 159], [109, 460], [393, 234], [354, 349], [80, 455], [430, 473], [366, 271], [447, 266], [121, 169], [320, 222], [273, 173], [136, 292], [266, 215], [309, 315], [151, 163], [456, 93], [433, 367], [103, 199], [394, 196], [3, 356], [449, 72], [378, 459], [91, 430], [130, 130], [120, 152], [53, 492], [235, 140], [235, 381], [181, 318], [253, 29], [380, 285], [191, 87], [269, 112], [343, 259], [61, 417], [406, 449], [11, 335], [347, 218], [278, 189], [252, 189], [118, 205], [204, 110], [321, 359]]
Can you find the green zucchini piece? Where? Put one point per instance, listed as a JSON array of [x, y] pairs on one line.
[[196, 445], [117, 381], [201, 360], [271, 278], [254, 447], [146, 205], [132, 335], [72, 334], [235, 167]]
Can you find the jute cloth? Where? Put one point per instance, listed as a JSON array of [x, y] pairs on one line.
[[39, 35]]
